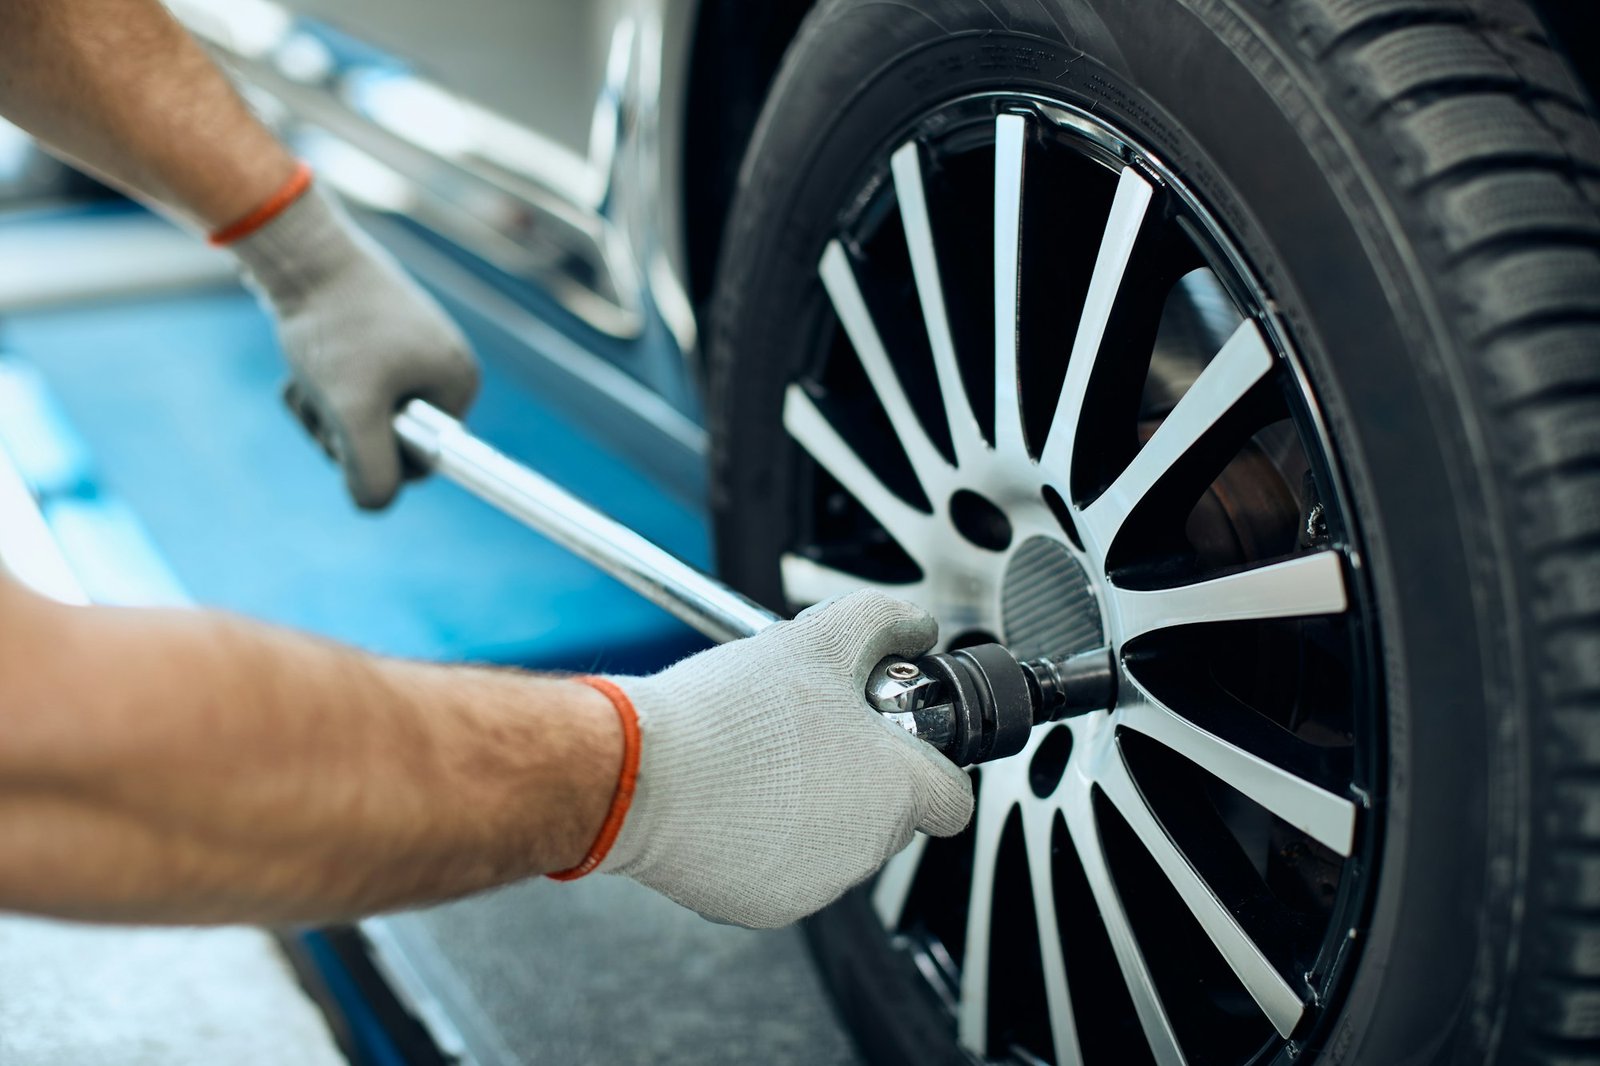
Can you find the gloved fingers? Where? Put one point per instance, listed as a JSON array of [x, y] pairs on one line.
[[360, 335], [889, 626], [453, 386], [943, 790], [305, 412], [370, 452], [949, 806], [364, 444], [871, 626]]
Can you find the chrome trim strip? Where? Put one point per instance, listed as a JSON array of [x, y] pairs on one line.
[[517, 200], [544, 340], [411, 989]]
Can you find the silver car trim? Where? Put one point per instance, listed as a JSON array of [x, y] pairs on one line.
[[418, 972], [538, 212], [545, 341]]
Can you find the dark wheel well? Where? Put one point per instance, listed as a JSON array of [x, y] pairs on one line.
[[737, 48], [1568, 22]]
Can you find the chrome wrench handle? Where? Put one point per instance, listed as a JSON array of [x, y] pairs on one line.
[[439, 443]]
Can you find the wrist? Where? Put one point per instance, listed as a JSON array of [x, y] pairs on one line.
[[307, 246], [603, 839], [270, 205]]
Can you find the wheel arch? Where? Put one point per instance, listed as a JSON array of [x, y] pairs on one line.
[[735, 51]]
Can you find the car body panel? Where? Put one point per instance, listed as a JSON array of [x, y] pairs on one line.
[[541, 138], [540, 65]]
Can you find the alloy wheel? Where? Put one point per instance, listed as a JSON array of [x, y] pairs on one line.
[[1051, 404]]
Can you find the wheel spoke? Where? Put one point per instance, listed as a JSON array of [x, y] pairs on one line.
[[1038, 822], [839, 278], [1116, 247], [812, 431], [1241, 362], [972, 1024], [1010, 133], [893, 887], [1141, 986], [1281, 1004], [964, 431], [806, 581], [1327, 818], [1305, 585]]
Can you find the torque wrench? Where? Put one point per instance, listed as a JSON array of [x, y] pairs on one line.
[[974, 704]]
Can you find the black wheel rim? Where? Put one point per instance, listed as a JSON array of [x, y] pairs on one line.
[[1181, 878]]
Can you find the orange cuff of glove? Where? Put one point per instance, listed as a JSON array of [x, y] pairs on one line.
[[626, 781], [269, 209]]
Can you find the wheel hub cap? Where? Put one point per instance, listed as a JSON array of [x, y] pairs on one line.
[[1046, 606]]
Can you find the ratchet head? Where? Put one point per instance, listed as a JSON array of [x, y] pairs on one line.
[[980, 703]]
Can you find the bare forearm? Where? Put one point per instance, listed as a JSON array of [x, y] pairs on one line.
[[120, 88], [175, 766]]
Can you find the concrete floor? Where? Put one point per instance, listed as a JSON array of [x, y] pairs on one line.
[[76, 995], [605, 971]]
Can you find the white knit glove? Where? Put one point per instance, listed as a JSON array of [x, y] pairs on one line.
[[361, 338], [767, 787]]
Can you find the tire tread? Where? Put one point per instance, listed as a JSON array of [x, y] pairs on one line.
[[1507, 207], [1490, 145]]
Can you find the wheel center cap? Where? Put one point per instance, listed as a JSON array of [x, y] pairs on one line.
[[1046, 604]]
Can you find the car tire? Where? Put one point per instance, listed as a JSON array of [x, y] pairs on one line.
[[1414, 188]]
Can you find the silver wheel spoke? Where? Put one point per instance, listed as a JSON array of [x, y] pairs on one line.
[[806, 581], [812, 431], [1141, 987], [1298, 587], [1281, 1004], [1327, 818], [1010, 133], [1242, 362], [964, 431], [839, 278], [1116, 246], [972, 1024], [1037, 823], [893, 886]]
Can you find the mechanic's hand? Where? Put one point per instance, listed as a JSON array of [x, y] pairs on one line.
[[767, 787], [361, 338]]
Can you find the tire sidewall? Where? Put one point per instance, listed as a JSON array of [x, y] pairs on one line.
[[1217, 102]]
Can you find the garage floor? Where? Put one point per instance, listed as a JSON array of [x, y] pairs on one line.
[[151, 430], [605, 971], [74, 995]]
